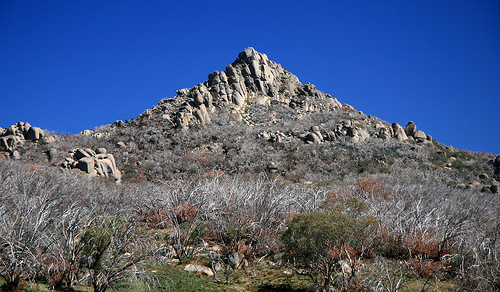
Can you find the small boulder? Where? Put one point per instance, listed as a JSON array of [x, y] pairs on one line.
[[410, 129], [51, 154], [119, 123], [237, 260], [195, 268], [486, 189], [34, 134], [312, 138], [272, 167], [345, 267], [483, 176], [86, 132], [15, 155], [101, 150], [330, 136], [419, 136]]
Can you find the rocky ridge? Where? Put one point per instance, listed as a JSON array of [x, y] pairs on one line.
[[253, 79]]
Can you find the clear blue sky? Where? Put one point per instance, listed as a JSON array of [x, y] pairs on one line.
[[74, 65]]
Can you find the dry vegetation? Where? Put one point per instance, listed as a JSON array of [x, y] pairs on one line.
[[66, 229], [378, 215]]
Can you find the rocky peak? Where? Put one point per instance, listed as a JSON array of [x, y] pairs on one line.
[[255, 72], [250, 54], [251, 77], [252, 87]]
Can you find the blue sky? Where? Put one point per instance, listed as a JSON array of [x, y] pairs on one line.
[[74, 65]]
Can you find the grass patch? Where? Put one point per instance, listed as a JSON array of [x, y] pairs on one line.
[[174, 278]]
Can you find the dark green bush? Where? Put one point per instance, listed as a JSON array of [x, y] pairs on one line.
[[320, 241]]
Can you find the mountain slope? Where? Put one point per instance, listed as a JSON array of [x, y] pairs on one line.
[[227, 165], [257, 117]]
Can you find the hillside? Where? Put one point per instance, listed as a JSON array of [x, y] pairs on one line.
[[240, 154], [257, 117]]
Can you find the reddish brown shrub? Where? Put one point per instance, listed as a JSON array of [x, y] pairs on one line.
[[32, 166], [425, 268], [422, 245], [406, 245], [374, 189], [294, 177], [203, 160], [155, 220], [185, 213]]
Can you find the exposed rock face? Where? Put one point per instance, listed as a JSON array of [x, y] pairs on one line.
[[18, 134], [399, 132], [252, 77], [254, 80], [96, 163], [410, 129]]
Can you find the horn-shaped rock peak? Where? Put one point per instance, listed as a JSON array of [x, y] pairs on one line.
[[251, 76]]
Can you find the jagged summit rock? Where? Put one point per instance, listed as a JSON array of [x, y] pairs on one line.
[[252, 77]]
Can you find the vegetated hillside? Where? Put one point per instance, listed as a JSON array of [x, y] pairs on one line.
[[257, 117], [217, 173]]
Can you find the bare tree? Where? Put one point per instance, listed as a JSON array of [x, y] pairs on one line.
[[65, 247], [114, 249], [28, 202]]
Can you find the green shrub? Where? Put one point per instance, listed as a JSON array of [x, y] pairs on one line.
[[319, 241], [96, 240]]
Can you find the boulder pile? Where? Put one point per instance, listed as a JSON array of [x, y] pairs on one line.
[[95, 163], [355, 130], [252, 77], [412, 132], [15, 135]]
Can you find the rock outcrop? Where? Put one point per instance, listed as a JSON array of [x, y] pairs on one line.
[[95, 163], [418, 135], [18, 134], [252, 77], [196, 268]]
